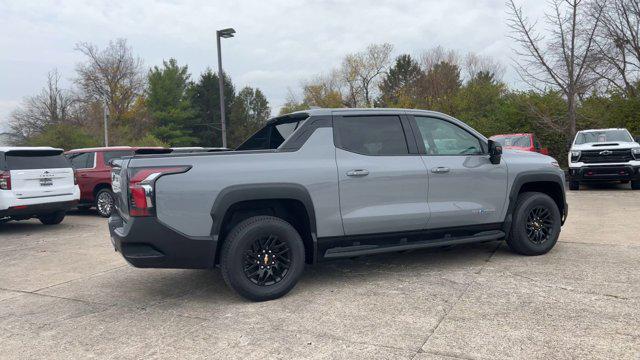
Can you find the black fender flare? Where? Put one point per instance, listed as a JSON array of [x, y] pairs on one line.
[[246, 192], [530, 177]]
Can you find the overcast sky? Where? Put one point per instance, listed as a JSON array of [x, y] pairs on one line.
[[278, 43]]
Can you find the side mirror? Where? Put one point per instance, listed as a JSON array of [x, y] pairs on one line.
[[637, 139], [495, 152]]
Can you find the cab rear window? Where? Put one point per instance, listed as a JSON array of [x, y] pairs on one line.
[[27, 160]]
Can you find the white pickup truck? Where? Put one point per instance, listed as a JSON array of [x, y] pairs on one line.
[[604, 155], [36, 182]]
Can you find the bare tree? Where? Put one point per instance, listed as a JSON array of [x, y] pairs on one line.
[[618, 44], [361, 73], [438, 55], [564, 60], [113, 75], [475, 64], [324, 91], [52, 106]]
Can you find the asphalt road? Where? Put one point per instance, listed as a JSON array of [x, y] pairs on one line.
[[64, 293]]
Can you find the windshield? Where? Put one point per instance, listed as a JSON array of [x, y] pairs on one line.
[[517, 140], [602, 136], [271, 136]]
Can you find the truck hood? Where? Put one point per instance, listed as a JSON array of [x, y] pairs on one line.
[[606, 145], [525, 155]]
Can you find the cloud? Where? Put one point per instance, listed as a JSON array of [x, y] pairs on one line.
[[278, 43]]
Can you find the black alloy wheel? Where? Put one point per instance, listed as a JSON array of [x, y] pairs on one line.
[[267, 261], [539, 225]]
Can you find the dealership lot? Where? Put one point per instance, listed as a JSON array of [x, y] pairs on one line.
[[65, 293]]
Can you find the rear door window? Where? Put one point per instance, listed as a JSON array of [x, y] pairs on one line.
[[110, 155], [82, 160], [371, 135], [29, 160]]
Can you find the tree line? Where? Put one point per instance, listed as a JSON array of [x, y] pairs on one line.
[[160, 106], [581, 63]]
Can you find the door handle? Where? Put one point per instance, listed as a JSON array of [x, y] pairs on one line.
[[358, 172], [440, 170]]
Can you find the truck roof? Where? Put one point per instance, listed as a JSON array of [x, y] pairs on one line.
[[27, 148], [515, 134], [595, 130], [115, 148], [330, 111]]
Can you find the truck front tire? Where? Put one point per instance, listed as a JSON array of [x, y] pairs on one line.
[[536, 224], [262, 258], [635, 184], [574, 185]]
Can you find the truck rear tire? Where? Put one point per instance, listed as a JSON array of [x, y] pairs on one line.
[[536, 224], [105, 202], [574, 185], [262, 258], [53, 218]]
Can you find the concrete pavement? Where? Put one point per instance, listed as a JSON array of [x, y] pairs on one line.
[[64, 293]]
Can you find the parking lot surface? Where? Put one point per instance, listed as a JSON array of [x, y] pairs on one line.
[[64, 293]]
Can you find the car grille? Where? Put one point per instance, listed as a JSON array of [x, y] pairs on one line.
[[606, 156]]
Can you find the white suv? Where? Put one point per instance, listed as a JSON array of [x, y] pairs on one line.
[[604, 155], [36, 182]]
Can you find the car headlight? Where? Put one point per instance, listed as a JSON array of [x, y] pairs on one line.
[[636, 153], [575, 155]]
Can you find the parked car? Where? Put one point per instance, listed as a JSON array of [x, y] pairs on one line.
[[36, 182], [328, 184], [525, 142], [604, 155], [94, 173]]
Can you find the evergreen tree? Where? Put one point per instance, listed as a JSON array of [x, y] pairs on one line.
[[205, 99], [249, 112], [169, 105], [400, 83]]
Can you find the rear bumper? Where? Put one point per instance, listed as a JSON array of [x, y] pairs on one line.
[[28, 211], [145, 242], [605, 173]]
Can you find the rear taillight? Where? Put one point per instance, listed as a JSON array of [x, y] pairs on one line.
[[142, 183], [5, 180]]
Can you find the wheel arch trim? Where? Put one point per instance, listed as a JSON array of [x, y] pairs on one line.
[[260, 191], [533, 177]]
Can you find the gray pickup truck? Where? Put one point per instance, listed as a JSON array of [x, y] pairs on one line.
[[326, 184]]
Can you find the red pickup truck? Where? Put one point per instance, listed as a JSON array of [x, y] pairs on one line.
[[94, 173], [524, 141]]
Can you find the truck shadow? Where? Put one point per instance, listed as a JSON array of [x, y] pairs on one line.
[[326, 277], [599, 186]]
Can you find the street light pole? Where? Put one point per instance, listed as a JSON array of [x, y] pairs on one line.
[[106, 120], [224, 33]]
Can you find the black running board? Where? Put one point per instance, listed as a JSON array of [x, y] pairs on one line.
[[362, 250]]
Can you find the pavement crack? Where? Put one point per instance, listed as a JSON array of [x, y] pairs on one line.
[[79, 278], [449, 355], [567, 288], [466, 289]]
